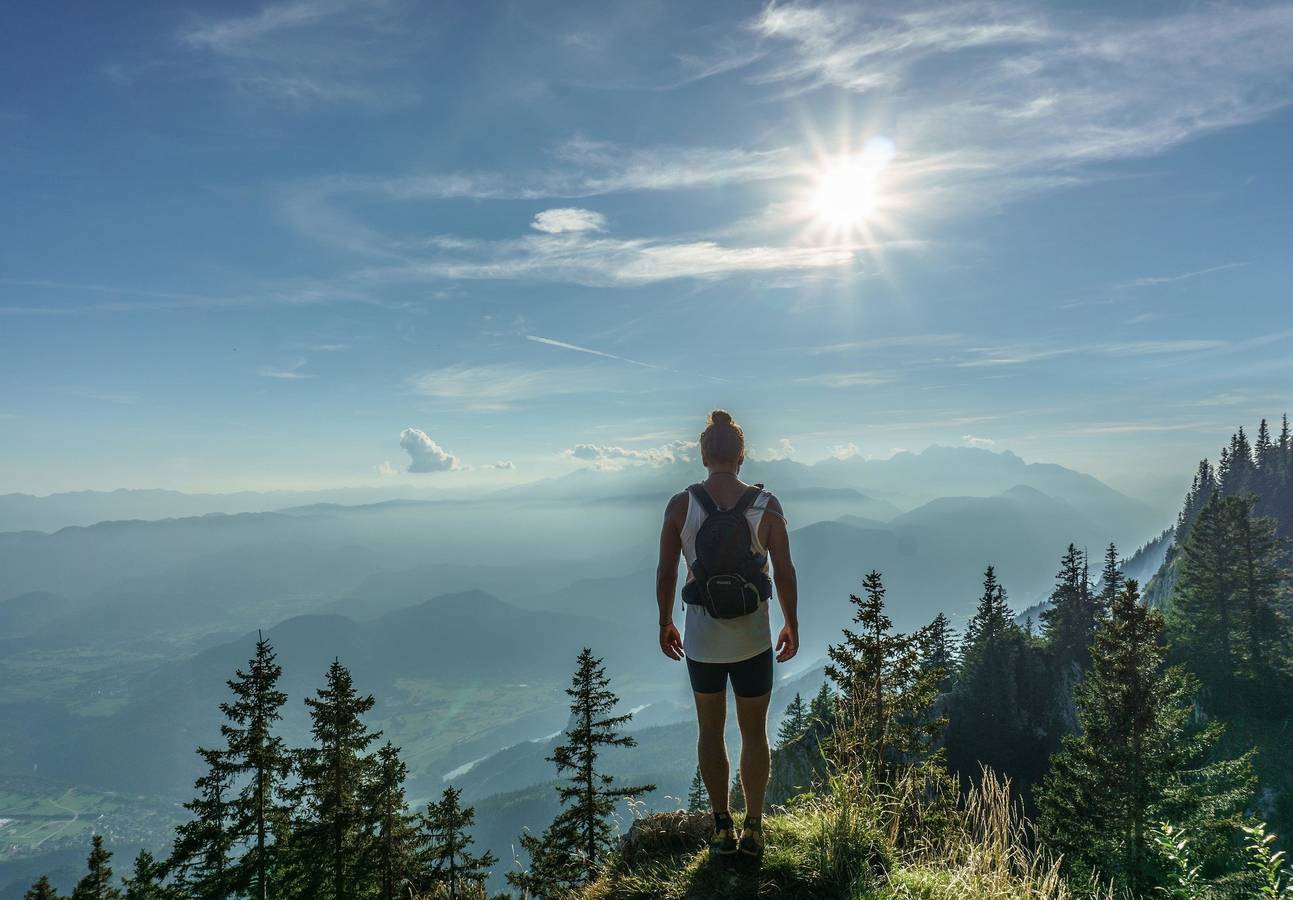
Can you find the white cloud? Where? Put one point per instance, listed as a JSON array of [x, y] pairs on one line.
[[972, 441], [844, 451], [386, 470], [783, 450], [505, 464], [605, 262], [567, 219], [1020, 96], [610, 457], [500, 386], [425, 455]]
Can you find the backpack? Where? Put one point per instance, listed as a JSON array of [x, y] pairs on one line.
[[728, 580]]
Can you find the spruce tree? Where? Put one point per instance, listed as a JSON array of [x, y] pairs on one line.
[[884, 719], [1137, 760], [794, 722], [200, 857], [697, 796], [1203, 613], [1069, 622], [939, 650], [570, 852], [333, 839], [1259, 579], [394, 849], [821, 710], [451, 867], [1111, 579], [97, 883], [260, 757], [1001, 710], [41, 890], [146, 880]]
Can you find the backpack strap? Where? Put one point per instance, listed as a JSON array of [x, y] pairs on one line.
[[747, 499], [702, 497]]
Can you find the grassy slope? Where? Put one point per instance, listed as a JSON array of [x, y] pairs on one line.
[[842, 845]]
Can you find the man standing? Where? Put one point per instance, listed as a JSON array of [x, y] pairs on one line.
[[728, 530]]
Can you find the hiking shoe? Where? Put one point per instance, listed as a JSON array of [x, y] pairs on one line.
[[723, 841], [752, 839]]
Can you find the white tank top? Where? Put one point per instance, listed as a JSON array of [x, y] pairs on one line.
[[706, 639]]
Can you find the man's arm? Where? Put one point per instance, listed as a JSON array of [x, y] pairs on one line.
[[666, 574], [783, 576]]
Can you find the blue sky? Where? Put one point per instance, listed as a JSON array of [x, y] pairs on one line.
[[250, 245]]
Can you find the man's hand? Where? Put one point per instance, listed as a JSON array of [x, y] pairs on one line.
[[787, 644], [671, 641]]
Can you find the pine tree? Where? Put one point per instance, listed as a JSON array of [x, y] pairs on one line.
[[885, 699], [1001, 710], [97, 883], [1111, 580], [697, 796], [794, 723], [1069, 622], [146, 880], [736, 793], [1137, 761], [992, 617], [200, 857], [939, 651], [821, 710], [1259, 578], [571, 850], [1203, 616], [41, 890], [258, 755], [394, 849], [334, 840], [448, 861]]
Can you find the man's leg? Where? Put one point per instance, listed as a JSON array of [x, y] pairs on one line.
[[752, 717], [711, 750]]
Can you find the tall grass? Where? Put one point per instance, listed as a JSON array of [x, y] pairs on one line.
[[986, 851]]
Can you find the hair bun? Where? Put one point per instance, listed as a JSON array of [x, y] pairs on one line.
[[720, 417]]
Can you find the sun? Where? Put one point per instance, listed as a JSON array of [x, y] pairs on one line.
[[847, 188]]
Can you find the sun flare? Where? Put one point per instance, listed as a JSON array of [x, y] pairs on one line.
[[845, 194]]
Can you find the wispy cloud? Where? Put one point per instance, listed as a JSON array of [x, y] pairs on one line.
[[606, 262], [287, 373], [971, 440], [849, 379], [1153, 280], [100, 395], [149, 300], [308, 53], [892, 342], [1020, 354], [497, 387], [1023, 94]]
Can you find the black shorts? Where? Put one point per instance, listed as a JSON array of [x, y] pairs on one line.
[[750, 677]]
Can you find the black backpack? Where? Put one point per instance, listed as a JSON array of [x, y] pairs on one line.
[[728, 580]]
